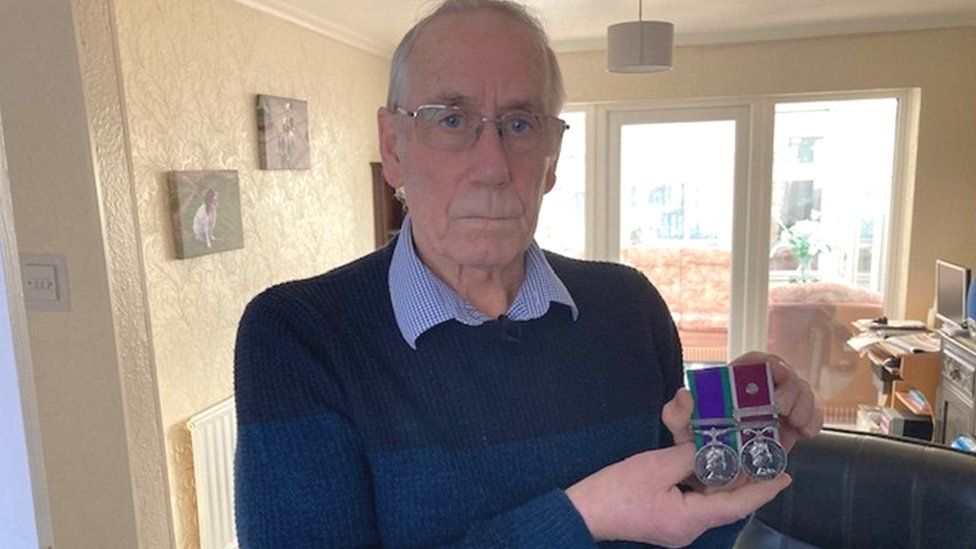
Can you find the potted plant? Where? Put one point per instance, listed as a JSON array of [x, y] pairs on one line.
[[805, 242]]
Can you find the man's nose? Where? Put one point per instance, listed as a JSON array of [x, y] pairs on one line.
[[490, 157]]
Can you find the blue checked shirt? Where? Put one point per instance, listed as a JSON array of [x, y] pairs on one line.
[[422, 301]]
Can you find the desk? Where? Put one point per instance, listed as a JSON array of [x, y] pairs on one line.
[[895, 376], [914, 371]]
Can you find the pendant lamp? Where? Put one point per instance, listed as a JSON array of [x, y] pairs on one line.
[[640, 46]]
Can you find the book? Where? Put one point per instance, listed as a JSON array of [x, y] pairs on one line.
[[915, 402]]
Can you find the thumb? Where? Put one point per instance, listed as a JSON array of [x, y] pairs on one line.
[[676, 415], [672, 464]]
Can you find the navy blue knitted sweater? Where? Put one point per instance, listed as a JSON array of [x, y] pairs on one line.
[[347, 437]]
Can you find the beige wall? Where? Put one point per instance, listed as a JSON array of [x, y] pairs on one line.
[[56, 210], [940, 62], [163, 85], [191, 69]]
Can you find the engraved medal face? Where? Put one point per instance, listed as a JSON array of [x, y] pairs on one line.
[[716, 464], [763, 458]]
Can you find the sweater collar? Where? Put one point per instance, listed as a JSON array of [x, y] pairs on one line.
[[421, 300]]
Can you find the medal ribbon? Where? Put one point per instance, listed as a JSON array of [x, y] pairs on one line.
[[754, 402], [711, 389]]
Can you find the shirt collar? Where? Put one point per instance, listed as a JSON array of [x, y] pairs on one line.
[[422, 301]]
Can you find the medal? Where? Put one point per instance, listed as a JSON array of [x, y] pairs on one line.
[[714, 426], [762, 456], [716, 463]]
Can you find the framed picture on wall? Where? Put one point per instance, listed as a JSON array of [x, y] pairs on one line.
[[206, 211], [282, 133]]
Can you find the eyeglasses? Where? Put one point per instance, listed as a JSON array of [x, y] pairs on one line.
[[453, 128]]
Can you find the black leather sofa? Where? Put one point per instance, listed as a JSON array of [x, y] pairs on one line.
[[859, 490]]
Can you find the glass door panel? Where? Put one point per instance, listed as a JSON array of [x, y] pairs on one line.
[[677, 181], [562, 219], [831, 198]]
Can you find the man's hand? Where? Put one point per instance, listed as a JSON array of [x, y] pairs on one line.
[[638, 499]]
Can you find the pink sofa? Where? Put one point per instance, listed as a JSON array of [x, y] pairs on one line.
[[696, 283]]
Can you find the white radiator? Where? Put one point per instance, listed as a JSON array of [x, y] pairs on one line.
[[214, 435]]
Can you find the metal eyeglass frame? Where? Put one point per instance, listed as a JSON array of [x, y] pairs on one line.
[[475, 134]]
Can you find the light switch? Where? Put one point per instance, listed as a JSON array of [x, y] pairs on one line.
[[40, 282], [45, 282]]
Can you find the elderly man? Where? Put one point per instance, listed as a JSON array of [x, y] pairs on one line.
[[460, 386]]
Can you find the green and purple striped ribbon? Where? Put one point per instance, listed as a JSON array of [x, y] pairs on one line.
[[711, 389]]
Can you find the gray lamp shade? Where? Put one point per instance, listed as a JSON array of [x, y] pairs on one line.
[[639, 46]]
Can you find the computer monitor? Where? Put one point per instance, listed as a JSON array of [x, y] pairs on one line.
[[951, 285]]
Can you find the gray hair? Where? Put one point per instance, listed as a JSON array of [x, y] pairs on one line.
[[399, 66]]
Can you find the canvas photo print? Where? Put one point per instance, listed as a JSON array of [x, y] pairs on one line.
[[206, 210], [282, 133]]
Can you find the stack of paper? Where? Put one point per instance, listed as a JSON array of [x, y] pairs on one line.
[[885, 324], [916, 342]]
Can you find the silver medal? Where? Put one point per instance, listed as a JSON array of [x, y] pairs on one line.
[[716, 463], [763, 458]]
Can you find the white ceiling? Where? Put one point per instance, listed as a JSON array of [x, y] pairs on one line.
[[573, 25]]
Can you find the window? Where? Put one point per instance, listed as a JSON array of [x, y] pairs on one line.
[[827, 205], [562, 219], [674, 199], [827, 246], [735, 209], [676, 176]]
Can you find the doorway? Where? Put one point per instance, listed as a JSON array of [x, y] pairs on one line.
[[24, 515]]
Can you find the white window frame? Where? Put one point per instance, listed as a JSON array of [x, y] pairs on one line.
[[755, 117], [590, 187]]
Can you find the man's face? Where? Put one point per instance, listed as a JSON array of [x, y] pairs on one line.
[[477, 207]]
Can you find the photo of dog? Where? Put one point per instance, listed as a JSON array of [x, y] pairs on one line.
[[205, 219], [196, 199]]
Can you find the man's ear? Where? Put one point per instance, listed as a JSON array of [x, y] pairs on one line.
[[389, 151], [551, 172]]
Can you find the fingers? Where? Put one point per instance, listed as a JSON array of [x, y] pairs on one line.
[[795, 399], [637, 499], [790, 396], [677, 416], [815, 424], [756, 356], [720, 508], [803, 408], [781, 370], [788, 436]]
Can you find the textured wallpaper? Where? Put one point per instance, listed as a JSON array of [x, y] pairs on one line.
[[191, 70]]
